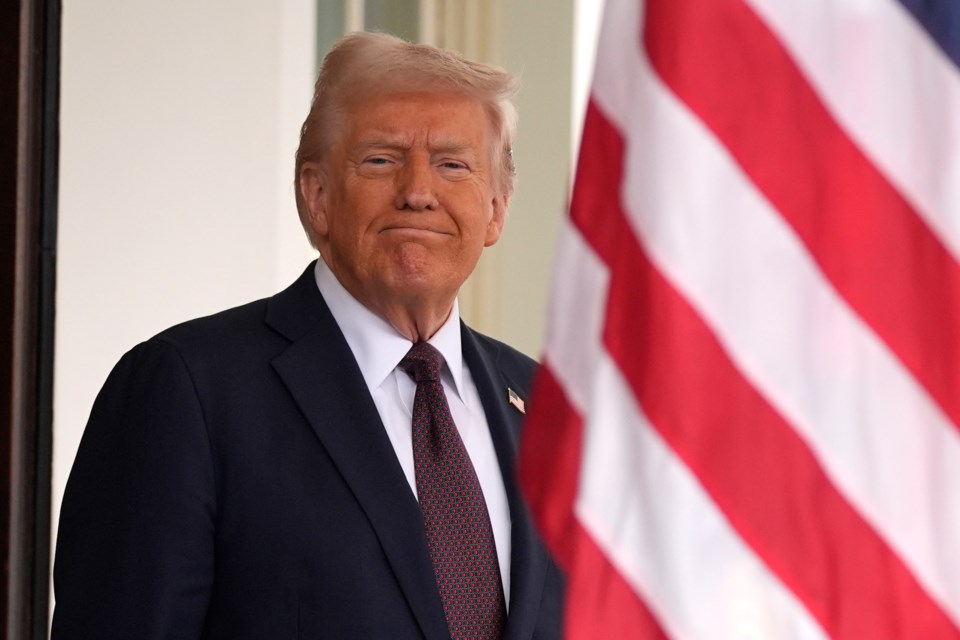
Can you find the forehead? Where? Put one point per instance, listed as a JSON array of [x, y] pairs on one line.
[[420, 117]]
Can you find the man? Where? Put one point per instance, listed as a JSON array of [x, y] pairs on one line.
[[336, 461]]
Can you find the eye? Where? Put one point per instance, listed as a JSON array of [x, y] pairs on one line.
[[377, 165], [453, 164]]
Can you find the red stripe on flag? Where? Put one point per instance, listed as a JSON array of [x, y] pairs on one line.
[[550, 453], [727, 66], [750, 461], [599, 602]]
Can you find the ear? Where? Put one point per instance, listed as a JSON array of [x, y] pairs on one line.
[[312, 185], [497, 219]]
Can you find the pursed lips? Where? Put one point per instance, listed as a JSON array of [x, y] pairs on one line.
[[415, 229]]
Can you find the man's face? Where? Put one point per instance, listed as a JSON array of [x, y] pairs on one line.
[[405, 202]]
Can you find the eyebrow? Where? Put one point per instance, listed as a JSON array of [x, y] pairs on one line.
[[382, 142], [449, 145]]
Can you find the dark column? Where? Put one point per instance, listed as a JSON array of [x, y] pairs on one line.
[[29, 81]]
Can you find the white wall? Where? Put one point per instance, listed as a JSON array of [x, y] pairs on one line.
[[551, 45], [534, 40]]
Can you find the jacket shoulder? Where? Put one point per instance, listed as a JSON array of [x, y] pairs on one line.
[[233, 329], [271, 321], [516, 365]]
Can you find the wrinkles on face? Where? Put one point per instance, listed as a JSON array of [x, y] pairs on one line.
[[405, 205]]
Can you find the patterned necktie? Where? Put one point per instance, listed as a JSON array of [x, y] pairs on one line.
[[455, 516]]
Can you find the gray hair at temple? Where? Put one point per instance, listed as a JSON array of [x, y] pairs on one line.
[[362, 66]]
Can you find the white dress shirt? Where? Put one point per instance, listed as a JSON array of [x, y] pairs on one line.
[[378, 349]]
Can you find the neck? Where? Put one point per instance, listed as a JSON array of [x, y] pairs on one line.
[[415, 314], [417, 323]]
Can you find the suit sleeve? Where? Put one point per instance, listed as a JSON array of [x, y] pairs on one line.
[[134, 554]]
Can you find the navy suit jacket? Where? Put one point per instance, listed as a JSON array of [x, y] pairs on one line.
[[235, 481]]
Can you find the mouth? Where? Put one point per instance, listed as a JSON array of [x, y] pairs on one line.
[[415, 230]]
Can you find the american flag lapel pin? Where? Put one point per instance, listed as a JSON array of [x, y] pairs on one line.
[[516, 401]]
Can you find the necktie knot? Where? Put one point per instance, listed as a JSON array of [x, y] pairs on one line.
[[423, 362]]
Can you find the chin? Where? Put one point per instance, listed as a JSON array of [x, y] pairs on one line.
[[411, 267], [421, 284]]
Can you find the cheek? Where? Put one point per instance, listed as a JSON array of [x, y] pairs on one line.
[[361, 204], [346, 213]]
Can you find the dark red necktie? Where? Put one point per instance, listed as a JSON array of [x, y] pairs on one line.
[[455, 515]]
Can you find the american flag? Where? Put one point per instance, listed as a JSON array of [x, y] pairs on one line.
[[746, 423]]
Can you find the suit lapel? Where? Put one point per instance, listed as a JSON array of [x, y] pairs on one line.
[[321, 374], [528, 561], [319, 370]]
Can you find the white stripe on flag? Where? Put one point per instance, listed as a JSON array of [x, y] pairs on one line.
[[577, 306]]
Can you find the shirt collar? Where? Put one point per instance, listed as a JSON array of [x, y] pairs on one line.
[[377, 346]]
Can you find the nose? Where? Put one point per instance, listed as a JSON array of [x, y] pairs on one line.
[[415, 185]]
